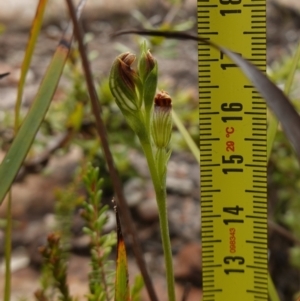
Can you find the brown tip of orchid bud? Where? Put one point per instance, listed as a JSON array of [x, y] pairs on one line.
[[125, 71], [128, 58], [149, 61], [163, 100]]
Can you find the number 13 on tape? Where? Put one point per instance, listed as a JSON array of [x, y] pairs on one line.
[[233, 148]]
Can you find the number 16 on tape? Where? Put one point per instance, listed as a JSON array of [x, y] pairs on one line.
[[233, 148]]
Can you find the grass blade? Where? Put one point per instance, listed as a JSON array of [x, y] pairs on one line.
[[25, 136], [121, 282], [186, 136], [34, 33], [8, 233]]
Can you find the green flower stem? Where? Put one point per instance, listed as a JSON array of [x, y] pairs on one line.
[[148, 115], [160, 191]]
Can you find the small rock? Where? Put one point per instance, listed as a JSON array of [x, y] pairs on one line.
[[188, 267], [180, 186], [184, 217], [111, 223], [81, 243], [139, 163], [8, 98], [19, 260], [31, 198], [177, 169], [148, 210], [178, 177], [62, 168], [50, 222], [14, 77], [292, 4], [134, 191]]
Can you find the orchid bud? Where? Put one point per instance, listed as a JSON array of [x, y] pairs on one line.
[[147, 67], [161, 126], [123, 81], [146, 63]]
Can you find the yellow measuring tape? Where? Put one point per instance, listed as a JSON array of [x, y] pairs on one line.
[[233, 149]]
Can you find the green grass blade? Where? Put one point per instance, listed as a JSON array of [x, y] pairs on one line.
[[186, 136], [34, 33], [122, 292], [8, 230], [273, 122], [271, 133], [25, 136], [35, 29]]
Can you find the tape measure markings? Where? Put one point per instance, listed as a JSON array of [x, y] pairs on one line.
[[245, 121]]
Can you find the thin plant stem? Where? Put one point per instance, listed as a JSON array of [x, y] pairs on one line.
[[160, 191]]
